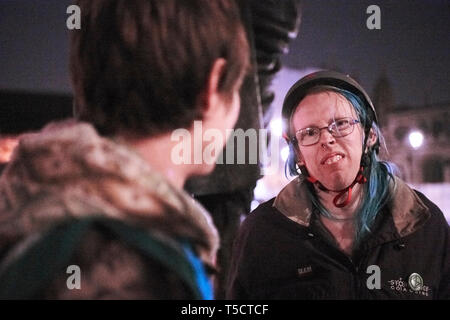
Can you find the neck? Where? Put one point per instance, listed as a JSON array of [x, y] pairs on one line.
[[342, 223], [157, 152], [346, 213]]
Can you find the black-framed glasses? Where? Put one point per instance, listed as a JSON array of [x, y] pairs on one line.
[[338, 128]]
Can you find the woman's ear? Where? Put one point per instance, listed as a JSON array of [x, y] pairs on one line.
[[372, 139], [301, 162], [299, 157]]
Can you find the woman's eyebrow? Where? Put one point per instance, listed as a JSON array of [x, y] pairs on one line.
[[331, 120], [338, 117]]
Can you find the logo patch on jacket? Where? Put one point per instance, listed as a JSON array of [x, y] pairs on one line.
[[415, 281], [304, 271], [414, 284]]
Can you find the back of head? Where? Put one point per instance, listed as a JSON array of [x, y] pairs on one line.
[[139, 66]]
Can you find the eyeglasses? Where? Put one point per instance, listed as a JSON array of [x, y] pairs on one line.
[[338, 128]]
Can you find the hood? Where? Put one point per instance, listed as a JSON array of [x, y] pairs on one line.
[[68, 170]]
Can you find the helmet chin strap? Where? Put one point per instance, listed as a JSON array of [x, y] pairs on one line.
[[360, 178]]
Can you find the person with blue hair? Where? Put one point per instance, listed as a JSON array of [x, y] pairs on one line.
[[346, 227]]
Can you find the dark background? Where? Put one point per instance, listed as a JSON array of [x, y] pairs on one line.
[[411, 48]]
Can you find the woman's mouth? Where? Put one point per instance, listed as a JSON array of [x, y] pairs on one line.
[[331, 159]]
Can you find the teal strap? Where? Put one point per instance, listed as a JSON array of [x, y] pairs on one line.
[[33, 270]]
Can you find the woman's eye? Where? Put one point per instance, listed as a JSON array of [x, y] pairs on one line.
[[342, 122]]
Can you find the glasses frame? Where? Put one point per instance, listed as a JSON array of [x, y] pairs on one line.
[[329, 129]]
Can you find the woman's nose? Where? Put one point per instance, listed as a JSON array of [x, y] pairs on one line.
[[327, 138]]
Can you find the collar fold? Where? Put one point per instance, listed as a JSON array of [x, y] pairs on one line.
[[409, 213]]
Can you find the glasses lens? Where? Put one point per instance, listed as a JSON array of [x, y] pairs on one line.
[[342, 127], [308, 136]]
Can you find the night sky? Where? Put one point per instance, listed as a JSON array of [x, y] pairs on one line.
[[412, 47]]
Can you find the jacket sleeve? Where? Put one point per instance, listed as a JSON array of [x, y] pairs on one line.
[[444, 286], [241, 264], [441, 231]]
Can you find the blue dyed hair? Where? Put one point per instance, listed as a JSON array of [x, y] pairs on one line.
[[375, 191]]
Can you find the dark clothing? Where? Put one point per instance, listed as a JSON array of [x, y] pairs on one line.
[[283, 252], [227, 210]]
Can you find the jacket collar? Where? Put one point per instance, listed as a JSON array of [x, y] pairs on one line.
[[408, 211], [293, 202]]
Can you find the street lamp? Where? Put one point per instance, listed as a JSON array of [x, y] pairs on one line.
[[415, 139]]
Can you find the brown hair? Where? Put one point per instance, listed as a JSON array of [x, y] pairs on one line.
[[141, 65]]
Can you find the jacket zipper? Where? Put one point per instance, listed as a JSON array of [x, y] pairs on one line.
[[351, 266]]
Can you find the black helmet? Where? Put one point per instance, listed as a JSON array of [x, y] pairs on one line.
[[331, 79]]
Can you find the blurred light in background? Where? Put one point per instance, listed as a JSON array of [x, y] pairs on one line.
[[276, 127], [260, 192], [415, 139], [284, 153], [7, 146]]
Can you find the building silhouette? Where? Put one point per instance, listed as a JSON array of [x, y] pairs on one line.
[[416, 137]]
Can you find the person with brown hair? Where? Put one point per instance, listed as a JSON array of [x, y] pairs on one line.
[[103, 193]]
